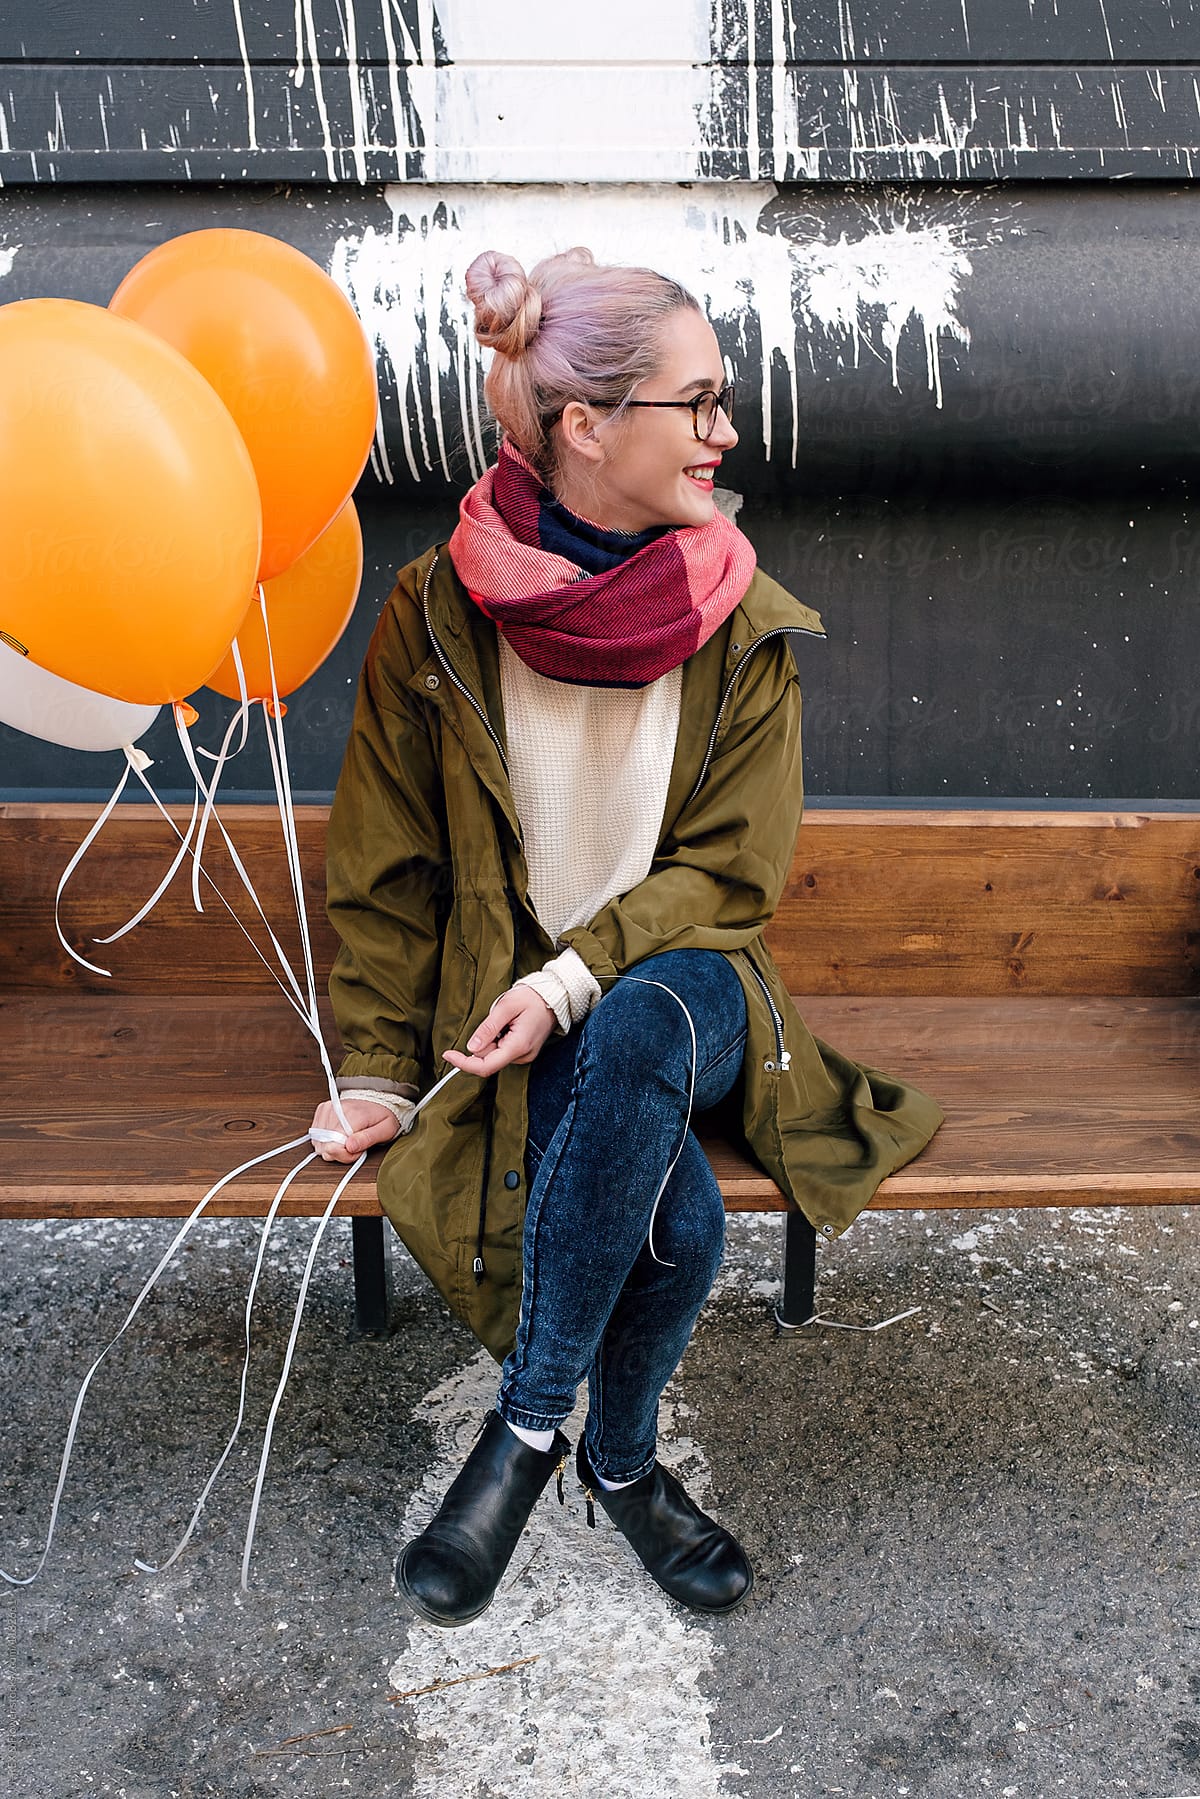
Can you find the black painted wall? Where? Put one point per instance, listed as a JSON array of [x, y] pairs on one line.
[[1009, 580], [828, 90]]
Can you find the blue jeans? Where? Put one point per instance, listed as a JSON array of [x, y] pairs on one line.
[[603, 1296]]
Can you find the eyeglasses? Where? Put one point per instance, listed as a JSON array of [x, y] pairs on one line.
[[703, 409]]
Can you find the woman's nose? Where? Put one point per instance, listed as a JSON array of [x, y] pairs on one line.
[[723, 435]]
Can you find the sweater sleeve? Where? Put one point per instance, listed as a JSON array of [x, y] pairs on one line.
[[567, 985], [721, 866]]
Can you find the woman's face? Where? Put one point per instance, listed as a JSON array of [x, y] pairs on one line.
[[652, 470]]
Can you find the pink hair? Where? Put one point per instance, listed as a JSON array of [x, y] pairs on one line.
[[572, 329]]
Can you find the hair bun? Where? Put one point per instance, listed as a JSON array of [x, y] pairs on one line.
[[508, 308]]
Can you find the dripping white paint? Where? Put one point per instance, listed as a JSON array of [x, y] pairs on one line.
[[774, 301]]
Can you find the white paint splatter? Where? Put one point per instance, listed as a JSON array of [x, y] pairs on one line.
[[867, 290], [760, 288], [614, 1704], [8, 256]]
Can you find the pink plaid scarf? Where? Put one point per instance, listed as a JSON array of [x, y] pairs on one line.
[[623, 628]]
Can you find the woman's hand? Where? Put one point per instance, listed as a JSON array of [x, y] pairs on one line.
[[370, 1124], [513, 1031]]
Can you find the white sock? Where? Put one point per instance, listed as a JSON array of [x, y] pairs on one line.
[[613, 1486], [536, 1439]]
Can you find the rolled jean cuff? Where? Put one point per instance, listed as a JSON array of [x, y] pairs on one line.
[[515, 1414], [620, 1478]]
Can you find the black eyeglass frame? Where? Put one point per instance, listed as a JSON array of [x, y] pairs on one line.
[[723, 402]]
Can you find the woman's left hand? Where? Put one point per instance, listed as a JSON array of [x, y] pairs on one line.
[[513, 1031]]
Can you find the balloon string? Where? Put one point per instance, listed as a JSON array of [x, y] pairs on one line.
[[185, 1539], [280, 1149], [242, 873], [292, 998], [185, 844], [287, 1362], [283, 800], [77, 858], [210, 800], [277, 746], [283, 792], [243, 710]]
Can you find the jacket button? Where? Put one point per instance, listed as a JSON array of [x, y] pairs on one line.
[[512, 1179], [735, 649], [827, 1230], [431, 681]]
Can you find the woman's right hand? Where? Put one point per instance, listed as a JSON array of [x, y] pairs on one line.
[[370, 1125]]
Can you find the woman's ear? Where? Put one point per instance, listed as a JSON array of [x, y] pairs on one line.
[[578, 432]]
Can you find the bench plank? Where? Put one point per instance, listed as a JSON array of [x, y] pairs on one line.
[[878, 902], [132, 1107], [992, 903]]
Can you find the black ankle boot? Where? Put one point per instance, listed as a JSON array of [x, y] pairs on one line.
[[681, 1547], [451, 1571]]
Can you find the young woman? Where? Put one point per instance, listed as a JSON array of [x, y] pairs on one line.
[[567, 810]]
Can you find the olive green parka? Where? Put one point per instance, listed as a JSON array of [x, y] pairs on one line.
[[428, 891]]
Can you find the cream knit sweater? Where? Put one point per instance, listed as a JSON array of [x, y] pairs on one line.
[[589, 769]]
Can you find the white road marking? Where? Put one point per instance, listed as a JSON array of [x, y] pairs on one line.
[[616, 1702]]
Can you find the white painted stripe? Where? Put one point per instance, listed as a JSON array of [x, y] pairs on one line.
[[620, 31], [616, 1702], [547, 92]]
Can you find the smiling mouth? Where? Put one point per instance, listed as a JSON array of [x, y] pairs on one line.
[[704, 474]]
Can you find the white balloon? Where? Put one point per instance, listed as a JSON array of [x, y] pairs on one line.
[[57, 711]]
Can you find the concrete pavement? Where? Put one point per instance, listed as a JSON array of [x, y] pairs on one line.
[[975, 1533]]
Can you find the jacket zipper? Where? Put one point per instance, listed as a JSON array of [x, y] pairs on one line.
[[445, 662], [477, 1266], [778, 631], [783, 1056]]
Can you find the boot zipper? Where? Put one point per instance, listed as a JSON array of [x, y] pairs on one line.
[[558, 1472], [783, 1057], [589, 1507], [779, 631]]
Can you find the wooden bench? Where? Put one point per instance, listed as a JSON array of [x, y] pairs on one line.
[[1036, 972]]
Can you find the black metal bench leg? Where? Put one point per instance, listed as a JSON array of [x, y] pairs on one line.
[[799, 1272], [372, 1276]]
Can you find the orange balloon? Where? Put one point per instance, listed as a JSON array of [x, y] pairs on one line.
[[308, 608], [129, 515], [284, 349]]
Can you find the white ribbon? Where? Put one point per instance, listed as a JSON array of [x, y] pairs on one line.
[[293, 998], [326, 1215], [243, 711], [210, 797], [280, 1149], [77, 858], [185, 1539], [185, 845]]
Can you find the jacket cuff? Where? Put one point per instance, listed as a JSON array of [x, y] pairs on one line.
[[394, 1073], [590, 952], [375, 1083]]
